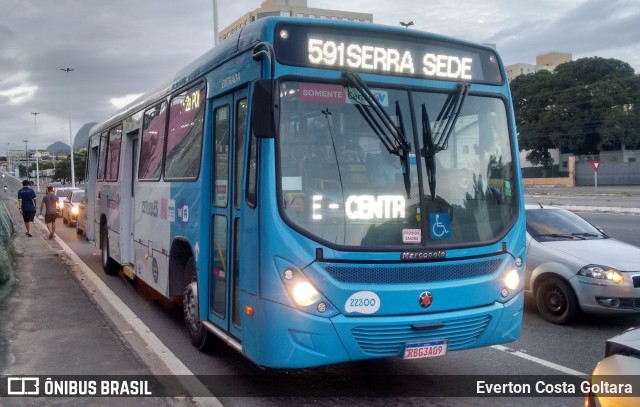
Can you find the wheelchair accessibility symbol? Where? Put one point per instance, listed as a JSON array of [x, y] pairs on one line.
[[440, 225]]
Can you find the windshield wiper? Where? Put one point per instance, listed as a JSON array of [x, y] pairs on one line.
[[404, 158], [559, 235], [397, 144], [438, 139], [586, 234]]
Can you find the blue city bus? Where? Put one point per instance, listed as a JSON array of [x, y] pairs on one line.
[[319, 191]]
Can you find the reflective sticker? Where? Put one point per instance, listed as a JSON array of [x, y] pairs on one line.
[[363, 302]]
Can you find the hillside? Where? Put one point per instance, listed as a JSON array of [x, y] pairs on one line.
[[79, 142]]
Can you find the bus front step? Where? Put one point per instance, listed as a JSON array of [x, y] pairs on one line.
[[128, 271]]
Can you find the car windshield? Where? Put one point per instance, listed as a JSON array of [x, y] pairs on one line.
[[62, 193], [77, 196], [559, 224], [348, 178]]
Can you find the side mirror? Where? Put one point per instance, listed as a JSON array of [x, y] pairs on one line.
[[265, 108]]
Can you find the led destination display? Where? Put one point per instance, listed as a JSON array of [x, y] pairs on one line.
[[384, 53]]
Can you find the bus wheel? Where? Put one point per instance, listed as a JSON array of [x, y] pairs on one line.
[[198, 333], [557, 302], [108, 265]]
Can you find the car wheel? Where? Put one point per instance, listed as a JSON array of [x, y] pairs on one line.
[[198, 333], [108, 264], [556, 301], [64, 220]]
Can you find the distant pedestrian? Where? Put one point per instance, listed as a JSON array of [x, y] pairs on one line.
[[27, 204], [49, 204]]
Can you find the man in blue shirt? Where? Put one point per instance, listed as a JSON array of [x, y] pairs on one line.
[[27, 205]]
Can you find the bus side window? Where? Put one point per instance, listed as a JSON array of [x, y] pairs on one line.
[[102, 155], [112, 161], [153, 137], [184, 138]]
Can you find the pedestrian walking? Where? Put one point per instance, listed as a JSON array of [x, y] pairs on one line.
[[49, 205], [27, 204]]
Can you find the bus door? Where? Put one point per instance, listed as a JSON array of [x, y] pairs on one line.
[[90, 201], [229, 117], [127, 204], [131, 192]]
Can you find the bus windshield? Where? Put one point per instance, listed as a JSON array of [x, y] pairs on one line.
[[342, 182]]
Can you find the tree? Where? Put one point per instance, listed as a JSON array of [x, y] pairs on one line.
[[63, 168], [584, 106]]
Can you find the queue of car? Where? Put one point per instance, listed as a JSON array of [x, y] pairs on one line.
[[572, 267]]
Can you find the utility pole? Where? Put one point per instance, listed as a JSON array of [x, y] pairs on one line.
[[73, 175], [215, 22], [37, 154]]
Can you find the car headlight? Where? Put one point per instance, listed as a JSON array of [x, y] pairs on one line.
[[74, 210], [602, 273]]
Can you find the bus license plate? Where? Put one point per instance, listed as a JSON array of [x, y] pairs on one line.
[[428, 349]]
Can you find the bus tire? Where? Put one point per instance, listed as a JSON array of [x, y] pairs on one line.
[[556, 301], [198, 333], [109, 266]]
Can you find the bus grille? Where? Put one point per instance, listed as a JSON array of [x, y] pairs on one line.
[[412, 274], [390, 340]]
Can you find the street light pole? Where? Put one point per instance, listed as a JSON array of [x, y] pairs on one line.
[[73, 176], [215, 22], [35, 141], [26, 156]]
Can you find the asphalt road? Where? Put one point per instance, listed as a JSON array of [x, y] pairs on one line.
[[542, 351]]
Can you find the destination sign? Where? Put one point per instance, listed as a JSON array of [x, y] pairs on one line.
[[412, 55]]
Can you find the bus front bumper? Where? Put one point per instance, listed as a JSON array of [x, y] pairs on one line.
[[280, 336]]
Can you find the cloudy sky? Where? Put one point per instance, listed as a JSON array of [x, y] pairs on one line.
[[121, 48]]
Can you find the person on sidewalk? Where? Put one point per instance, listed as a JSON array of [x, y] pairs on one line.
[[27, 205], [49, 204]]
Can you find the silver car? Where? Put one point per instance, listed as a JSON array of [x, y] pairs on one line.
[[572, 266]]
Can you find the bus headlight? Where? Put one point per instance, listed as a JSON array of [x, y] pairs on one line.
[[301, 291], [511, 280], [305, 294]]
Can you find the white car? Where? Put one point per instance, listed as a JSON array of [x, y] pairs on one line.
[[70, 208], [572, 266], [62, 194]]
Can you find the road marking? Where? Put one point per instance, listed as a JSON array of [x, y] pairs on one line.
[[542, 362], [160, 351]]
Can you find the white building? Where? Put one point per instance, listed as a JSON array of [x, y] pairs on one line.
[[291, 8]]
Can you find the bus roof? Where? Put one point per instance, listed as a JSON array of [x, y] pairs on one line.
[[263, 30]]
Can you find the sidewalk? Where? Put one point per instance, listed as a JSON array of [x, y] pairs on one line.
[[51, 325], [611, 199]]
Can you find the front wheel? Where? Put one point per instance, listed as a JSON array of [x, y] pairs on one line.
[[556, 301], [198, 333]]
